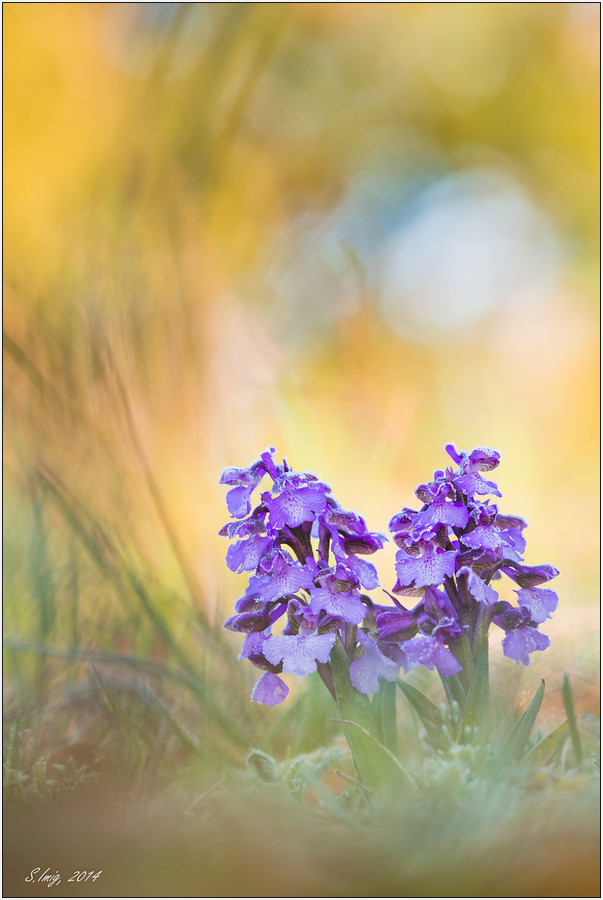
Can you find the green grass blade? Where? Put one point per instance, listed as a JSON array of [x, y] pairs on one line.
[[515, 743], [429, 714], [548, 747], [568, 703], [455, 692], [211, 703]]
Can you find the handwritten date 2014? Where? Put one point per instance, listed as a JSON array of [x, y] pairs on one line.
[[52, 878]]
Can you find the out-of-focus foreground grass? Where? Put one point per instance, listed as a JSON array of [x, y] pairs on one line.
[[352, 231]]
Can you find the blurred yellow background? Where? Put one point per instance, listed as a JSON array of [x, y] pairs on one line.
[[351, 231]]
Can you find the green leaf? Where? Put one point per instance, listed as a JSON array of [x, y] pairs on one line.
[[475, 710], [429, 714], [384, 705], [455, 692], [360, 726], [548, 746], [515, 743], [568, 703]]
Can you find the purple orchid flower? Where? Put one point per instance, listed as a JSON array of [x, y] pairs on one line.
[[304, 555], [454, 547]]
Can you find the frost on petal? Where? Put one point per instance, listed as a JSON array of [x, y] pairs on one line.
[[253, 524], [478, 588], [518, 644], [455, 455], [298, 652], [267, 458], [270, 690], [541, 602], [366, 670]]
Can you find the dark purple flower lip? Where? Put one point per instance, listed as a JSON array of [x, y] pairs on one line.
[[343, 519], [253, 524], [236, 476], [260, 662], [407, 590], [362, 543], [530, 576], [258, 620], [403, 520], [506, 521]]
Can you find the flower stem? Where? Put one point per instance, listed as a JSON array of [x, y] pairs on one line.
[[371, 763]]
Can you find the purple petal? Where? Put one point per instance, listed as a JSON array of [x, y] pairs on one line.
[[238, 501], [252, 643], [257, 620], [530, 576], [483, 459], [446, 662], [244, 556], [431, 568], [345, 605], [293, 507], [366, 670], [484, 537], [364, 571], [541, 602], [518, 644], [427, 650], [298, 652], [235, 475], [514, 523], [442, 512], [363, 543], [347, 521], [267, 458], [252, 598], [478, 588], [453, 453], [287, 577], [270, 690], [402, 521], [396, 625], [472, 483], [243, 528]]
